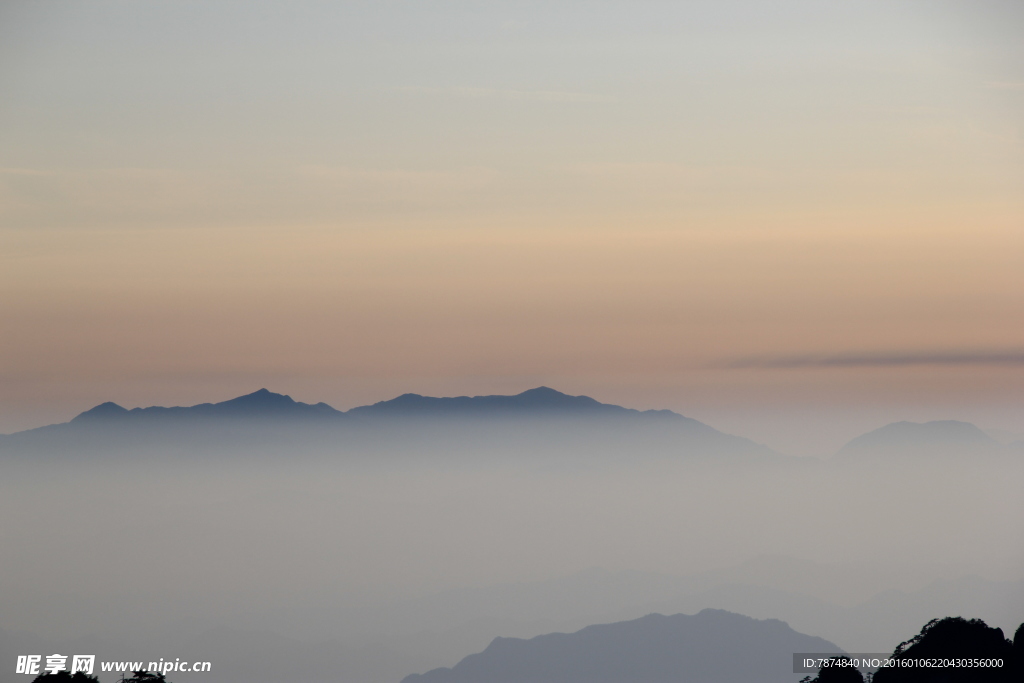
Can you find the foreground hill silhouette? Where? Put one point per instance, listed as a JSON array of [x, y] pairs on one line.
[[956, 637], [941, 640], [713, 646], [264, 419]]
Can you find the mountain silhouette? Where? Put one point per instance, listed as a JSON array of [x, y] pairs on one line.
[[941, 437], [264, 421], [713, 646], [262, 403], [535, 402], [265, 404]]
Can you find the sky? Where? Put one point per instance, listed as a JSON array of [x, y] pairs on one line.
[[796, 221]]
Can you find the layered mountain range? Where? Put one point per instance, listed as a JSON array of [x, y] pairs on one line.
[[264, 420], [265, 410], [265, 404], [713, 646]]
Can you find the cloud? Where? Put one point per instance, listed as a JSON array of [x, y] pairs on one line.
[[1005, 85], [169, 196], [879, 360], [510, 95], [22, 171]]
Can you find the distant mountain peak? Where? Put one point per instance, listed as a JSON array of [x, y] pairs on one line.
[[542, 391], [548, 395], [537, 401], [937, 436], [102, 412], [711, 645], [261, 403], [261, 397]]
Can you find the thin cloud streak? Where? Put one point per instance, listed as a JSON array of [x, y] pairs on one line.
[[510, 94], [1005, 85], [975, 358]]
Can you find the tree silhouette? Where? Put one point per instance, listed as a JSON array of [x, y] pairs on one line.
[[65, 677], [955, 637], [146, 677], [1018, 654], [836, 673]]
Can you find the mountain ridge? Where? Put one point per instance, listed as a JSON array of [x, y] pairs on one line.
[[263, 403], [950, 438], [538, 424], [703, 647], [537, 399], [260, 403], [937, 437]]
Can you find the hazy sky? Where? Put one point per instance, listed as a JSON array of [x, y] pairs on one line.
[[794, 220]]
